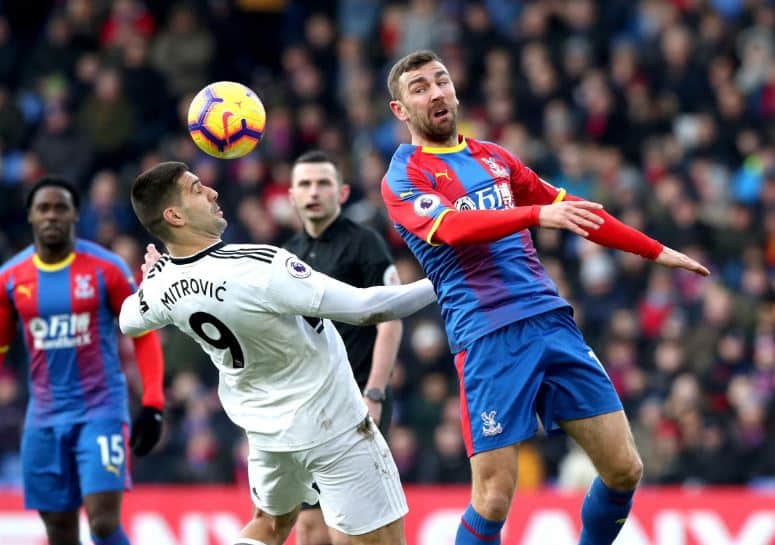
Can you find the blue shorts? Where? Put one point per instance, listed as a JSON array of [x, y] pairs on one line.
[[61, 464], [536, 366]]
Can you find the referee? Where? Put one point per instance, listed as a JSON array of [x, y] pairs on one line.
[[357, 255]]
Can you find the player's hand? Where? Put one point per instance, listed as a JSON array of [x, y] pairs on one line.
[[575, 216], [151, 256], [677, 260], [146, 430], [375, 409]]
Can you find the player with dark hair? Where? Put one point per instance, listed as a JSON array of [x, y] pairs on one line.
[[357, 255], [263, 316], [65, 294], [464, 208]]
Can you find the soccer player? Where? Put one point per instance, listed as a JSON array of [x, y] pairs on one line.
[[464, 208], [261, 314], [356, 255], [66, 294]]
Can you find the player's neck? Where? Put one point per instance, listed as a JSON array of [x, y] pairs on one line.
[[317, 228], [190, 247], [54, 254]]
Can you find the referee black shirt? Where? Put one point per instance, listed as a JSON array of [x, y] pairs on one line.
[[357, 255]]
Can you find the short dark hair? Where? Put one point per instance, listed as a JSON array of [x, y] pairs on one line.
[[54, 181], [318, 156], [315, 156], [153, 191], [411, 61]]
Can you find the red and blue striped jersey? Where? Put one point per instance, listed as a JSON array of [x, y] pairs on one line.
[[67, 316], [480, 287]]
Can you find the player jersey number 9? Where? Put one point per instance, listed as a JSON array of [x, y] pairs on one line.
[[226, 340]]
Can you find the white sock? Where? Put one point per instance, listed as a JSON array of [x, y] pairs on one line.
[[248, 541]]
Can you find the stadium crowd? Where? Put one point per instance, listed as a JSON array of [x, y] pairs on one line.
[[663, 110]]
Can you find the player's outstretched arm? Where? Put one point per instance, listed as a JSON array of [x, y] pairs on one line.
[[612, 233], [676, 260], [364, 306]]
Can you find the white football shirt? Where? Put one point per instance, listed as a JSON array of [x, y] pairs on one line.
[[283, 377]]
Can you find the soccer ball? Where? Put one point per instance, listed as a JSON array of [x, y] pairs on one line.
[[226, 120]]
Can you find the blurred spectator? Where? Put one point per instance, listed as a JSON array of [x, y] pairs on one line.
[[61, 147], [183, 51], [107, 119]]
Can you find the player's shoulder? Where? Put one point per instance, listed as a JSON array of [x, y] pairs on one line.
[[407, 169], [101, 254], [403, 160], [18, 260], [258, 253]]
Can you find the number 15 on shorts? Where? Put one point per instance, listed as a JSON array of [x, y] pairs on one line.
[[112, 452]]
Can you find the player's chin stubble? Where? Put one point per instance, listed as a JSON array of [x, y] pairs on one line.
[[435, 133]]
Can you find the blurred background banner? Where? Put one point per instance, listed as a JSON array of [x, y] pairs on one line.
[[212, 515]]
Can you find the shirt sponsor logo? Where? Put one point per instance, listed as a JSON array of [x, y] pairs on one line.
[[297, 268], [424, 205], [465, 203], [83, 286], [60, 331], [495, 197]]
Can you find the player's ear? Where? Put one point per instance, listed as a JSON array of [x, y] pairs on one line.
[[399, 110], [173, 216], [344, 193]]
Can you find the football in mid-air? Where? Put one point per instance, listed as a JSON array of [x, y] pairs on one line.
[[226, 120]]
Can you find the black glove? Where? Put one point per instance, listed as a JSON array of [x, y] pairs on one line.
[[146, 430]]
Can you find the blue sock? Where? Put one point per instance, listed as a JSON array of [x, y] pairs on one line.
[[116, 538], [603, 513], [474, 529]]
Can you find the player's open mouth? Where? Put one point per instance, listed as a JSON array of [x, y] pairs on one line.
[[438, 114]]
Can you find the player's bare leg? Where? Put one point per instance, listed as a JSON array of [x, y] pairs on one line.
[[311, 529], [338, 538], [103, 511], [267, 529], [390, 534], [61, 527], [608, 441], [493, 481]]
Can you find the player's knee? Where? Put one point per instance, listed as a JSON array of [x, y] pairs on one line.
[[493, 504], [281, 525], [627, 475], [103, 525]]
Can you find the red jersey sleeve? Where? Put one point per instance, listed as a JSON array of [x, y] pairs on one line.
[[120, 284], [413, 203], [7, 319], [148, 353]]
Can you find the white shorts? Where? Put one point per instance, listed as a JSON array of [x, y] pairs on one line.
[[360, 490]]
